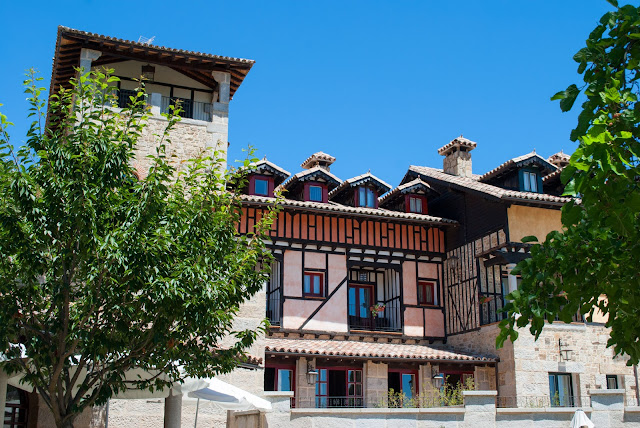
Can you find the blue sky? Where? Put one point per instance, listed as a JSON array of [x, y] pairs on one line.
[[379, 85]]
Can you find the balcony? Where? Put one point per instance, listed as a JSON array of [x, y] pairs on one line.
[[190, 109], [363, 318]]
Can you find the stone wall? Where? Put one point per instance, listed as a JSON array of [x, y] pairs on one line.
[[189, 138], [457, 163], [483, 341], [479, 411], [376, 379]]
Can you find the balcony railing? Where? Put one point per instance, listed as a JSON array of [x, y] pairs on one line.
[[273, 310], [387, 320], [189, 109]]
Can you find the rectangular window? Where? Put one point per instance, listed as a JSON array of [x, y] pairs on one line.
[[366, 197], [561, 390], [322, 389], [426, 294], [415, 205], [612, 382], [530, 182], [261, 187], [403, 382], [285, 380], [315, 193], [313, 284]]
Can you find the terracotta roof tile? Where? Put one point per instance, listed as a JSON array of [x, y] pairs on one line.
[[382, 185], [457, 142], [360, 211], [506, 165], [349, 348], [318, 156], [264, 162], [404, 187], [487, 189], [302, 174]]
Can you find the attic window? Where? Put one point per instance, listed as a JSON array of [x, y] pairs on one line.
[[315, 193], [366, 197], [416, 204], [530, 181], [262, 187]]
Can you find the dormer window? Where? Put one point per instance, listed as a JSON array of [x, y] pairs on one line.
[[416, 204], [315, 193], [530, 181], [367, 197], [261, 185]]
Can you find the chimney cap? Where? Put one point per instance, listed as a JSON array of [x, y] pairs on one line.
[[456, 144], [559, 159], [318, 158]]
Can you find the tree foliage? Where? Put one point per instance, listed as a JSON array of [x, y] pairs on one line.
[[102, 271], [593, 263]]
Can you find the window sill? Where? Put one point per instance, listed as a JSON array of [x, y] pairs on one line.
[[314, 297]]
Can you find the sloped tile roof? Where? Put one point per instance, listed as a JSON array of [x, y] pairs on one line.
[[404, 187], [318, 156], [484, 188], [339, 208], [533, 157], [302, 174], [363, 178], [457, 142], [264, 162], [350, 348]]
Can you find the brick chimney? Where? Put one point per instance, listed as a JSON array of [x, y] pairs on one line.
[[457, 157], [560, 159]]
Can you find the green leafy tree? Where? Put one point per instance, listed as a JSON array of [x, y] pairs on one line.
[[103, 272], [593, 263]]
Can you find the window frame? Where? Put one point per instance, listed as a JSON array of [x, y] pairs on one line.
[[421, 198], [313, 274], [527, 176], [612, 377], [401, 372], [277, 367], [572, 401], [307, 191], [252, 185], [426, 283], [367, 191]]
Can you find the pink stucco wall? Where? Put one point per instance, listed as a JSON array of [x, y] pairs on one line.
[[413, 325], [427, 270], [297, 311], [409, 286], [292, 279], [315, 260], [434, 326], [337, 270]]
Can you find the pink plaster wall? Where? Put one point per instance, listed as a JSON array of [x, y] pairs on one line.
[[413, 322], [292, 279], [337, 270], [434, 319], [315, 260], [409, 286], [296, 311], [427, 270]]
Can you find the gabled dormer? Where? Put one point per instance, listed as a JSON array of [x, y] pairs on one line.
[[264, 177], [411, 197], [523, 173], [361, 191], [315, 183]]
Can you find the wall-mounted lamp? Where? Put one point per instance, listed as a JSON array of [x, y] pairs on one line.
[[149, 72], [439, 380], [312, 374]]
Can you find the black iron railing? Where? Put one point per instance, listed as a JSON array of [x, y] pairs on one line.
[[273, 310], [189, 109], [386, 320]]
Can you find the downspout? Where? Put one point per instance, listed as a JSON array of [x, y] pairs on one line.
[[635, 373]]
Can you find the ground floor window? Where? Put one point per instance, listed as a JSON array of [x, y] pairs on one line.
[[278, 379], [404, 382], [338, 387], [16, 409], [612, 382], [561, 390]]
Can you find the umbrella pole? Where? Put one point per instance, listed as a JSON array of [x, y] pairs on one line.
[[195, 424]]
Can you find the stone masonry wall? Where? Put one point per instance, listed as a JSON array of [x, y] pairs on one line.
[[590, 360], [189, 138], [376, 377], [483, 341]]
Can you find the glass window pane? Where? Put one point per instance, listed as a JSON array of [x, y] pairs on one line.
[[316, 284], [418, 205], [284, 380], [525, 177], [261, 187], [351, 376], [408, 382], [315, 193], [412, 205], [534, 182], [352, 301], [359, 389], [370, 199], [307, 284], [358, 375], [323, 374], [612, 382], [362, 197], [323, 388]]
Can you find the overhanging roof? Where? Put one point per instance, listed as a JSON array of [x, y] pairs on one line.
[[195, 65], [371, 350]]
